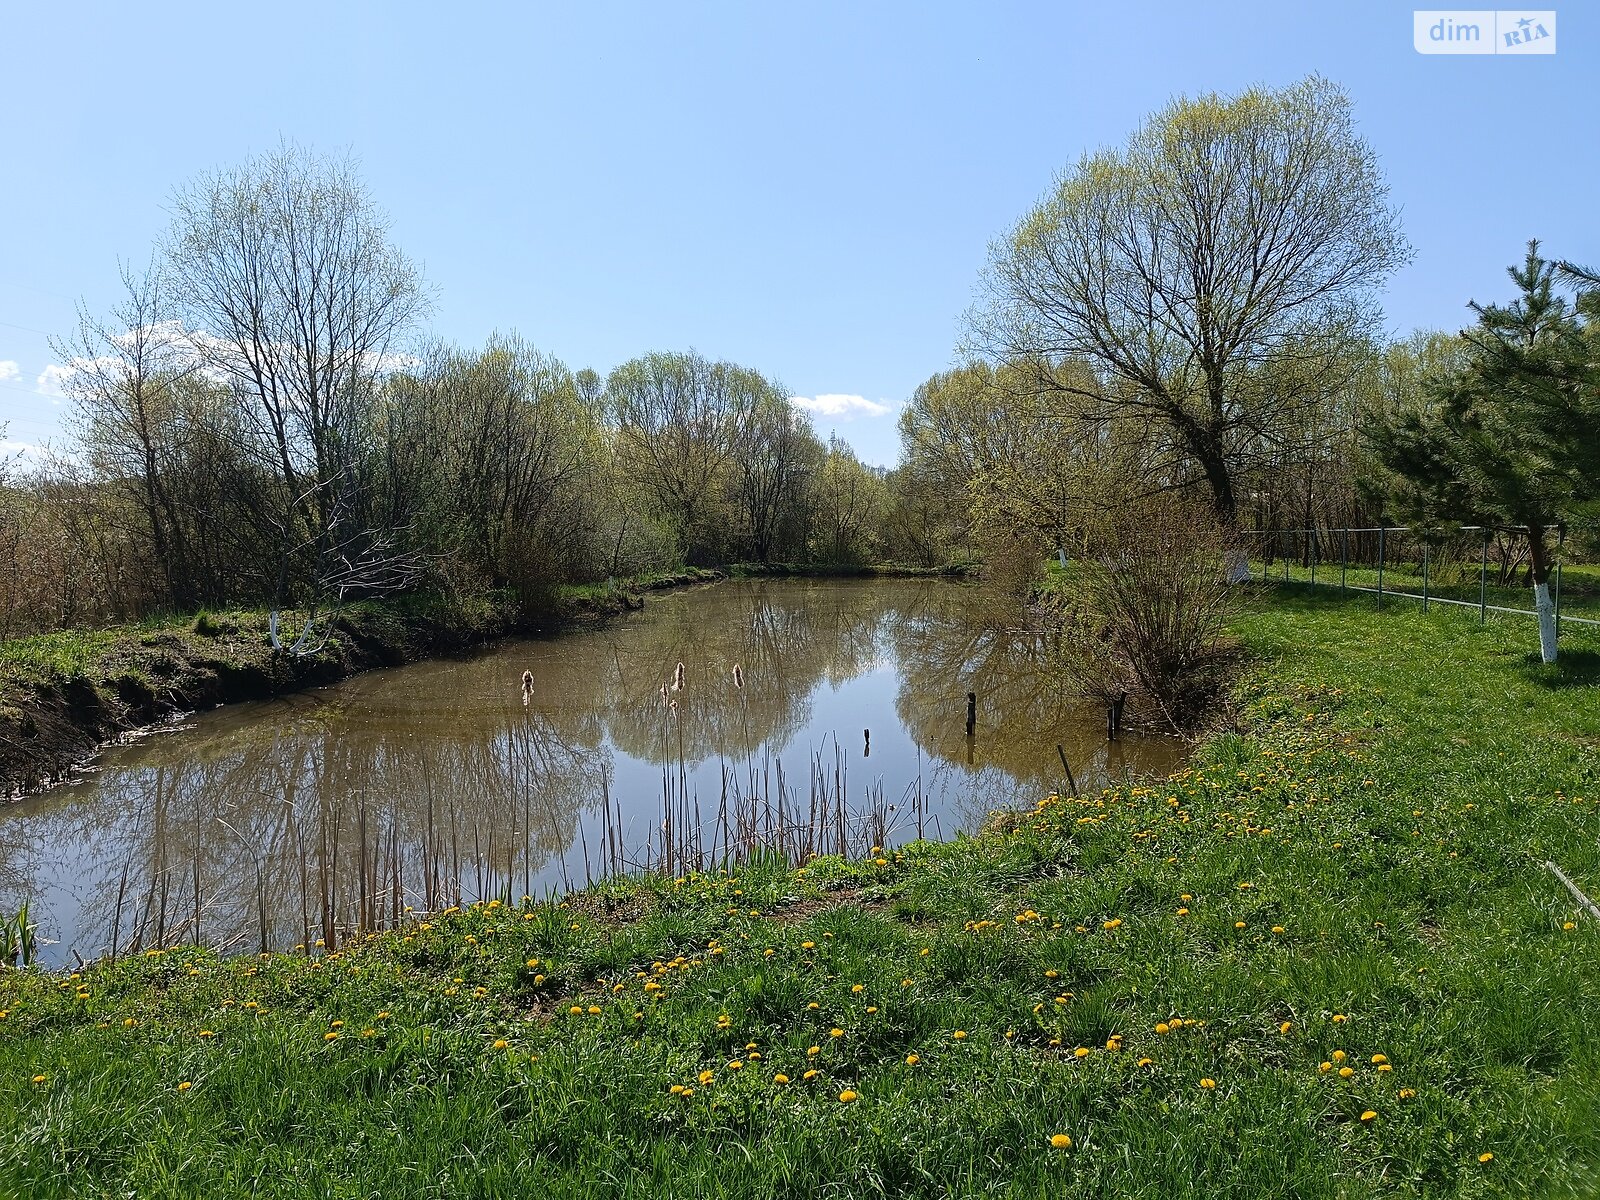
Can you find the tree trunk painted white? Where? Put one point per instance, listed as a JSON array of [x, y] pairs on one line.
[[1238, 566], [1061, 557], [1547, 621]]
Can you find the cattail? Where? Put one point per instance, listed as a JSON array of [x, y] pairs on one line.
[[677, 679], [663, 693], [527, 688], [738, 676], [673, 705]]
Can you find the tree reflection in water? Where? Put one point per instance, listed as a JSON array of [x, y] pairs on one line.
[[307, 819]]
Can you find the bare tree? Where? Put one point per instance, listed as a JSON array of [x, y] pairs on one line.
[[291, 292], [122, 376]]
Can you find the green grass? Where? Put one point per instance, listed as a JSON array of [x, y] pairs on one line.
[[1361, 869]]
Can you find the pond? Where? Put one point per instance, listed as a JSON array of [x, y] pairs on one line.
[[301, 820]]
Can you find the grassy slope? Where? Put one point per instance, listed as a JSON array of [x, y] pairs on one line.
[[1402, 779]]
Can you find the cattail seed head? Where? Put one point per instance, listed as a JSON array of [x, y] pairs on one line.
[[738, 676]]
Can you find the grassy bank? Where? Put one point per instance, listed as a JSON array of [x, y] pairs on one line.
[[1324, 961]]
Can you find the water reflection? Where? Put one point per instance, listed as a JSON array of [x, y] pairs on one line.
[[304, 819]]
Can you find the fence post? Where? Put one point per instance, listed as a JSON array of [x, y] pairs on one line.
[[1483, 583], [1344, 558], [1382, 526], [1561, 541], [1424, 576], [1286, 548], [1313, 557]]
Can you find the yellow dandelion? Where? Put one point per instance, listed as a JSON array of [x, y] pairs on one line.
[[836, 1032], [1486, 1157], [1378, 1059], [848, 1097], [1208, 1084], [959, 1034], [185, 1086], [1368, 1117], [706, 1077], [736, 1065], [912, 1060], [1346, 1072], [1338, 1056], [1060, 1141], [1408, 1093], [811, 1074], [1163, 1027], [1285, 1027], [500, 1043]]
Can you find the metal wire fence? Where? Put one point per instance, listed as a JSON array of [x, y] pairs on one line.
[[1473, 567]]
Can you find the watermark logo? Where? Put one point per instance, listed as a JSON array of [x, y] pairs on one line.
[[1483, 31]]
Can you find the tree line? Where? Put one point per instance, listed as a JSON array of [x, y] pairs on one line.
[[263, 420]]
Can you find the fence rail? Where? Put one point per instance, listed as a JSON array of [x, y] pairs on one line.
[[1433, 568]]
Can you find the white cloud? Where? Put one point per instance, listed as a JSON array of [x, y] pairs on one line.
[[840, 406], [9, 370], [7, 449], [51, 380]]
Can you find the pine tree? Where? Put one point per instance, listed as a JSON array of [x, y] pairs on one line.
[[1512, 437]]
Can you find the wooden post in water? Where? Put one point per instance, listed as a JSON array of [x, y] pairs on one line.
[[866, 743], [1071, 782], [972, 713], [1114, 716]]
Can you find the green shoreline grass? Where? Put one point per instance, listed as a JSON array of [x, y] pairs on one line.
[[1357, 873]]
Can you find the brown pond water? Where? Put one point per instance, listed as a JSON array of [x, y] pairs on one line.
[[315, 815]]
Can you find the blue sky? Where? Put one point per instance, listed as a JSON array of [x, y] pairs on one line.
[[806, 189]]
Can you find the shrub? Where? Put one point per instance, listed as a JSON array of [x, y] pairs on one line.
[[1148, 610]]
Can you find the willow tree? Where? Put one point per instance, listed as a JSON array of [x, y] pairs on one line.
[[1231, 239], [681, 421], [1512, 434]]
